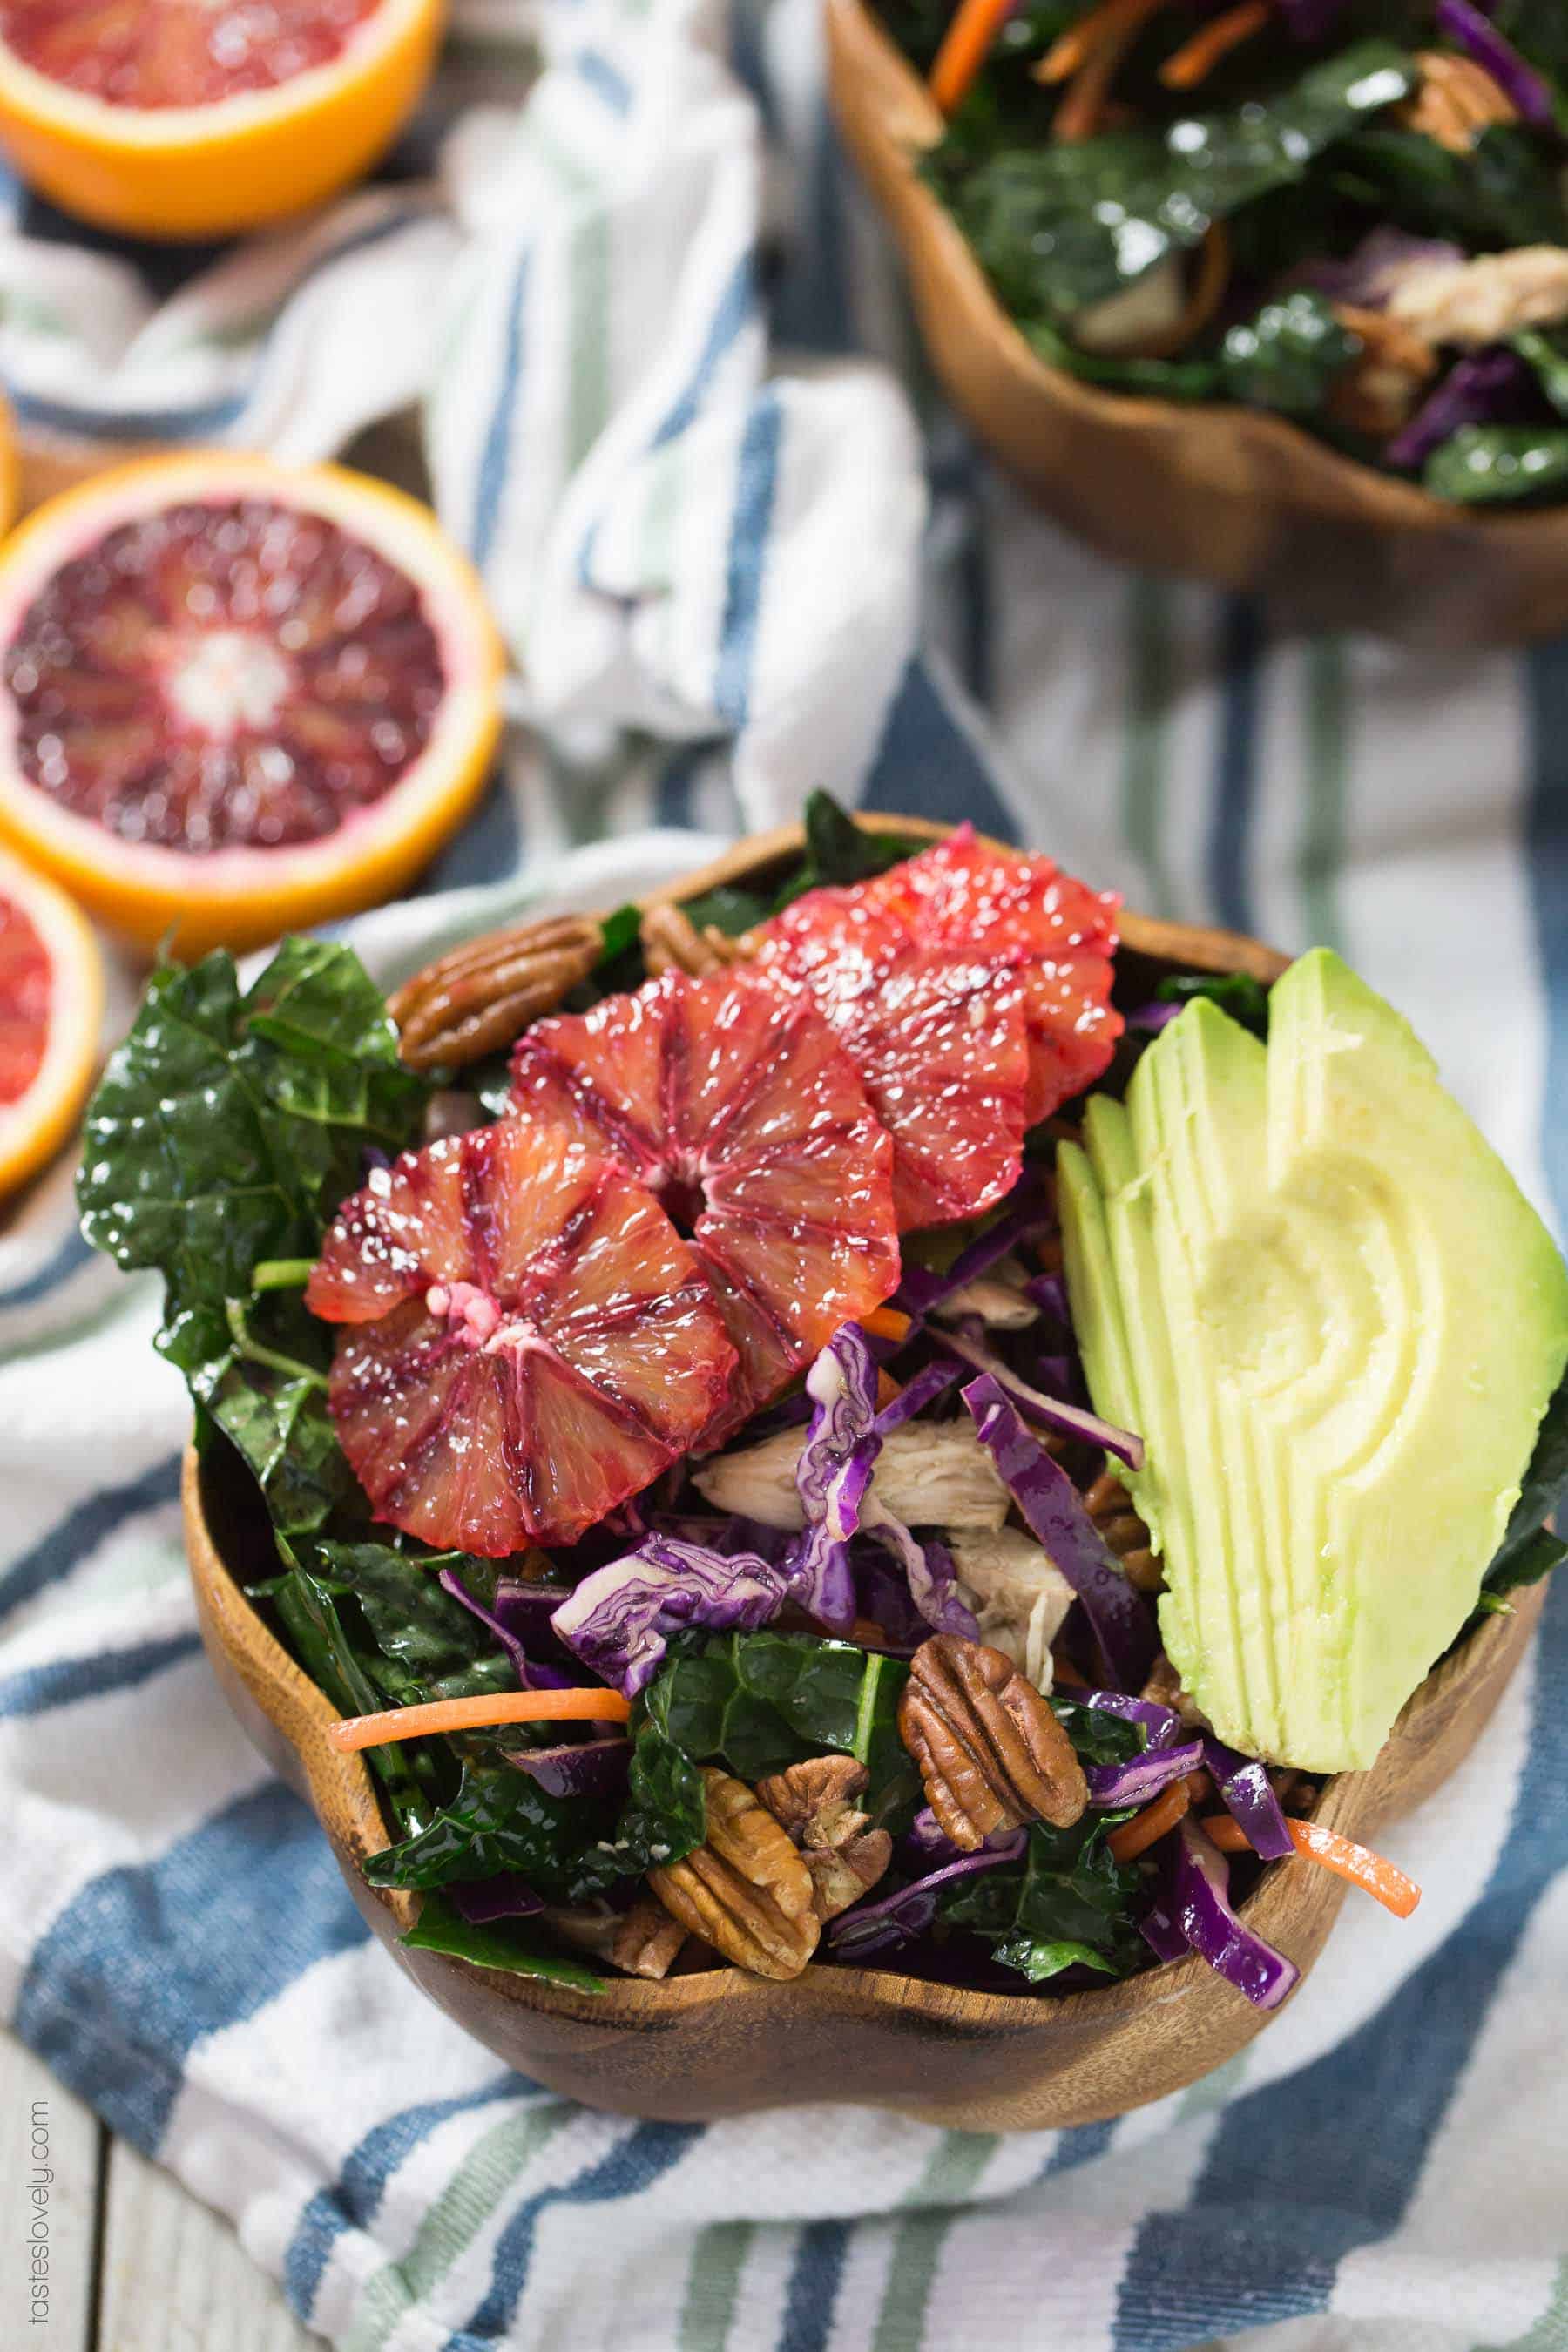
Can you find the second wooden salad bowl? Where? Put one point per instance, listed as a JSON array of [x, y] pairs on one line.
[[1224, 492], [724, 2042]]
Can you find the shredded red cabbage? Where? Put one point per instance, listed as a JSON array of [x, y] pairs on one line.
[[1198, 1900], [1158, 1928], [1463, 24], [876, 1927], [531, 1675], [1368, 277], [925, 1845], [832, 1477], [1162, 1725], [924, 1389], [506, 1896], [593, 1767], [1066, 1420], [933, 1579], [1111, 1786], [620, 1619], [1053, 1510], [919, 1289], [1493, 387], [1152, 1017], [1243, 1786], [1049, 1292]]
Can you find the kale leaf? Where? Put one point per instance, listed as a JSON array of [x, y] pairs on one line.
[[1529, 1549], [1494, 465], [1287, 357], [500, 1819], [759, 1701], [1502, 192], [426, 1644], [1059, 226], [1065, 1904], [1236, 993], [500, 1944], [838, 851], [1545, 350], [225, 1130], [309, 1607]]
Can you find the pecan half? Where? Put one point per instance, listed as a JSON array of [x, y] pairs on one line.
[[991, 1753], [1165, 1688], [643, 1942], [1376, 394], [1455, 101], [485, 994], [745, 1891], [1112, 1509], [815, 1801], [672, 942]]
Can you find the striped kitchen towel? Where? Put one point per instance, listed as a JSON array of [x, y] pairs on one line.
[[702, 514]]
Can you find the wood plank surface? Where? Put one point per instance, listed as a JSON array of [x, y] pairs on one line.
[[49, 2183], [176, 2278]]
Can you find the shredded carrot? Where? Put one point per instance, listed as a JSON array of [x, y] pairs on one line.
[[1081, 114], [886, 1323], [1065, 1672], [965, 47], [868, 1633], [1364, 1868], [1196, 59], [889, 1390], [1073, 50], [1199, 1786], [478, 1715], [1161, 1813]]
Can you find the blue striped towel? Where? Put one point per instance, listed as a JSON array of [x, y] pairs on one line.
[[731, 568]]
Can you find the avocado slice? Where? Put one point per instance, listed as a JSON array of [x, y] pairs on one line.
[[1301, 1273]]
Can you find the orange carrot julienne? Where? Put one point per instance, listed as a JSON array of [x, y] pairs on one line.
[[1364, 1868], [1161, 1813], [1196, 59], [965, 47], [1081, 114], [889, 1390], [886, 1323], [478, 1715], [1073, 50]]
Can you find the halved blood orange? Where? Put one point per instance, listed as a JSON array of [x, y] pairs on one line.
[[938, 1041], [736, 1105], [529, 1342], [1022, 915], [199, 118], [51, 1003], [237, 697]]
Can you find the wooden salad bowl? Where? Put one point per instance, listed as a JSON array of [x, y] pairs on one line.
[[1218, 492], [724, 2043]]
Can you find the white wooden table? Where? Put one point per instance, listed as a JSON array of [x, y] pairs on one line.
[[135, 2264]]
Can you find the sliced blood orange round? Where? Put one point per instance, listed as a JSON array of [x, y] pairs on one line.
[[529, 1342], [199, 118], [736, 1104], [938, 1039], [51, 1003], [237, 697], [1025, 915]]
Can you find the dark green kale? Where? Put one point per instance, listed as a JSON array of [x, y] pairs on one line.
[[1060, 227], [1496, 465], [509, 1943], [1502, 192], [1065, 1904], [1236, 993], [1529, 1549], [1545, 352], [1289, 356], [223, 1135], [838, 851]]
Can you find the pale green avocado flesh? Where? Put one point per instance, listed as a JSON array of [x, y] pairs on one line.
[[1306, 1280]]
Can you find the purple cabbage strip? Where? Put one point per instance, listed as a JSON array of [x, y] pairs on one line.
[[1161, 1724], [926, 1386], [1054, 1511], [1245, 1788], [832, 1475], [883, 1595], [925, 1845], [895, 1919], [506, 1896], [931, 1576], [1152, 1017], [620, 1619], [1049, 1292], [1198, 1900], [1484, 388], [593, 1767], [1462, 22], [529, 1674], [1112, 1786], [1159, 1930], [920, 1289], [1066, 1420], [1368, 277]]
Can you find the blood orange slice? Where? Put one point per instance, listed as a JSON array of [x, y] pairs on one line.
[[738, 1107], [198, 117], [531, 1340], [1025, 915], [236, 696], [938, 1039], [51, 1002]]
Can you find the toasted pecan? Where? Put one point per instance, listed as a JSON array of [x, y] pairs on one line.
[[745, 1890], [672, 942], [815, 1801], [991, 1752], [484, 994]]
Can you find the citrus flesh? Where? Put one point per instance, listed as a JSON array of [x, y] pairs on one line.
[[51, 1003]]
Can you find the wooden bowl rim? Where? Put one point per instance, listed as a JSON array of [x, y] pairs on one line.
[[1326, 480], [343, 1795]]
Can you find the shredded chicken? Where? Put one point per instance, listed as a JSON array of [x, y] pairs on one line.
[[1472, 303], [937, 1475], [1017, 1593], [997, 1298]]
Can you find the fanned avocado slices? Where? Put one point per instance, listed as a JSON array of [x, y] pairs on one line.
[[1302, 1274]]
